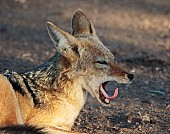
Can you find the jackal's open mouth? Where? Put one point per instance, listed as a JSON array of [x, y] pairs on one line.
[[104, 97]]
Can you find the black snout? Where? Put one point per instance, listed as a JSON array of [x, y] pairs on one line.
[[130, 76]]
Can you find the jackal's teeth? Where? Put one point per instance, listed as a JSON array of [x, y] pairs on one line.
[[107, 100]]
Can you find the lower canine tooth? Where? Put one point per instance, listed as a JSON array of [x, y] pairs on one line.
[[107, 100]]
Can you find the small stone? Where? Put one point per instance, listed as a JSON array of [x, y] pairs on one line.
[[146, 118], [129, 121], [168, 107]]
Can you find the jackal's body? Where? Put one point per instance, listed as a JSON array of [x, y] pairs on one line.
[[52, 95]]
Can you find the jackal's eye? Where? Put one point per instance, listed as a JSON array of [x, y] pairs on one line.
[[102, 62]]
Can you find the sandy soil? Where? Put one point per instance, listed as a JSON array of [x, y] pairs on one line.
[[136, 31]]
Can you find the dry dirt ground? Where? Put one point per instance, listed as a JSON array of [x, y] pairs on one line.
[[136, 31]]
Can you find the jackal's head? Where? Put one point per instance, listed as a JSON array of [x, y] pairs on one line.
[[89, 60]]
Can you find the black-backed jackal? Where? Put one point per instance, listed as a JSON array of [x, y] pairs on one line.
[[52, 95]]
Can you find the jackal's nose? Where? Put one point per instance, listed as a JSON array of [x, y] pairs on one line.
[[130, 76]]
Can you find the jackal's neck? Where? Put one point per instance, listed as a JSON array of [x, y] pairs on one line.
[[68, 104], [46, 77]]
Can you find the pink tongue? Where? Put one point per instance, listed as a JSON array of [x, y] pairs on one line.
[[107, 96]]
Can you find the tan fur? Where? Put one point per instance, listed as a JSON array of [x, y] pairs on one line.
[[25, 105], [83, 65], [9, 107], [59, 110]]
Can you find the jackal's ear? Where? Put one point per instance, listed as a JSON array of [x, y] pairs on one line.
[[81, 25], [64, 42], [58, 36]]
